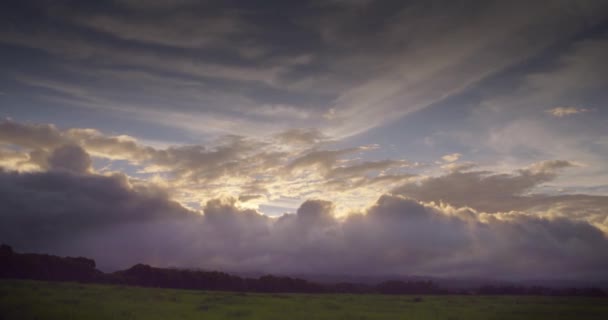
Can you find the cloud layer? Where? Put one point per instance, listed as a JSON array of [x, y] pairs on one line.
[[211, 68], [566, 111], [119, 225], [463, 223], [292, 164]]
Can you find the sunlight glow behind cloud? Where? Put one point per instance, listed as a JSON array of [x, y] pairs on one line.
[[425, 139]]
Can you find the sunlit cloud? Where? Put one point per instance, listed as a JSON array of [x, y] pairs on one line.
[[284, 165], [561, 112], [451, 157]]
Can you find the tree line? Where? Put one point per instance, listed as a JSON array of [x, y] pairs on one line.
[[53, 268]]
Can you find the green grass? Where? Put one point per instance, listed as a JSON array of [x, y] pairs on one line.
[[47, 300]]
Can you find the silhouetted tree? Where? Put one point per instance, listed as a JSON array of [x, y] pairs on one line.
[[54, 268], [45, 267]]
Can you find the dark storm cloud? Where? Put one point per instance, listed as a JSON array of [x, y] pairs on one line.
[[118, 224], [53, 209]]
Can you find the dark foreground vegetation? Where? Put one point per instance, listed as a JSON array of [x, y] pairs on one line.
[[27, 299], [53, 268]]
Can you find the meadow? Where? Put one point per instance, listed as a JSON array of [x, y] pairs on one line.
[[24, 299]]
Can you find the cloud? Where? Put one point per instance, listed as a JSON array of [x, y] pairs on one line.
[[184, 63], [182, 29], [483, 190], [306, 137], [516, 125], [364, 168], [451, 157], [519, 191], [566, 111], [66, 208], [454, 166], [291, 164], [264, 173], [246, 197], [321, 160], [293, 88], [71, 158], [29, 136], [44, 209], [119, 224], [399, 88], [279, 112]]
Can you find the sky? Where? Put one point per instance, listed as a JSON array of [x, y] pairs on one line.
[[439, 138]]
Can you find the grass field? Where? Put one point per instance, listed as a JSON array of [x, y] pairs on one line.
[[46, 300]]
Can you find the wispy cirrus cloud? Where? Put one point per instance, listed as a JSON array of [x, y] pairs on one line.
[[314, 79]]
